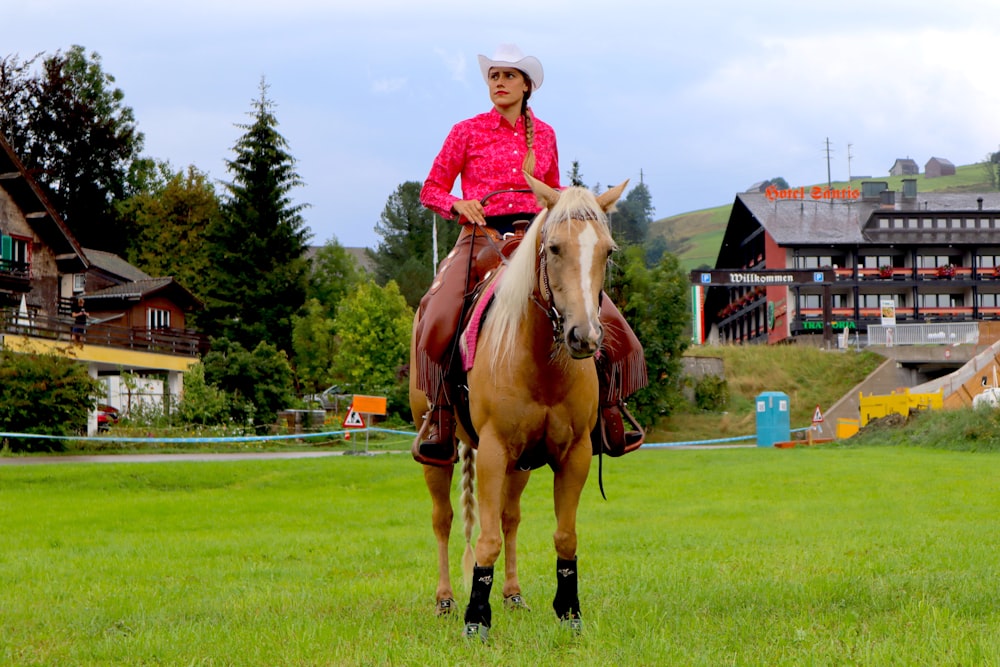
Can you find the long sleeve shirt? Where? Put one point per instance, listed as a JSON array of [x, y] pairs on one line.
[[487, 153]]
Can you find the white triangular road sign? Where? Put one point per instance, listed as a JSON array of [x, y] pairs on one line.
[[353, 419], [817, 416]]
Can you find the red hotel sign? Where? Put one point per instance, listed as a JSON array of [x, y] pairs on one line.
[[816, 192]]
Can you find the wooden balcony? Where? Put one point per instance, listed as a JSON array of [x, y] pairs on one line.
[[158, 341], [15, 276]]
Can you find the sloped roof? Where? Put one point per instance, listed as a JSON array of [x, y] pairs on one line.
[[146, 287], [809, 222], [941, 161], [114, 265], [37, 209], [796, 222]]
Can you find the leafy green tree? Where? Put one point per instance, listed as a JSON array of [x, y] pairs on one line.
[[405, 253], [169, 223], [315, 347], [333, 273], [373, 341], [258, 245], [202, 403], [70, 126], [574, 175], [18, 88], [991, 166], [44, 395], [655, 305], [258, 383]]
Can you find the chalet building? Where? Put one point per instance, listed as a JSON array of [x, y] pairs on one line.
[[904, 167], [137, 322], [938, 166], [931, 257]]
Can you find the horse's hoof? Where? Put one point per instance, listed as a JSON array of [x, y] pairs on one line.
[[573, 624], [444, 607], [515, 602], [476, 630]]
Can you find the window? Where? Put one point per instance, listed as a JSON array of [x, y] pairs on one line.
[[810, 301], [79, 282], [15, 249], [942, 301], [876, 261], [157, 318], [875, 300], [989, 300], [932, 261]]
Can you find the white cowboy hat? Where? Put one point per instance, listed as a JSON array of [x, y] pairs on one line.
[[508, 55]]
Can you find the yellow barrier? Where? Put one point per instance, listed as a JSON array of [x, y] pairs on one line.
[[847, 427], [874, 407]]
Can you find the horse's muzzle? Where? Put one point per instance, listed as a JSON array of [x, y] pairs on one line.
[[584, 341]]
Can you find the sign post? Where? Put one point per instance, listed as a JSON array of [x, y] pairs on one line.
[[817, 423], [365, 406], [353, 420]]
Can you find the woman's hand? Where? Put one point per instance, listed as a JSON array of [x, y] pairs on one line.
[[470, 209]]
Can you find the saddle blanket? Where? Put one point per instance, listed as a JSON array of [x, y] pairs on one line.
[[470, 335]]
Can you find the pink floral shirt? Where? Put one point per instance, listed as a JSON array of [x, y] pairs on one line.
[[487, 153]]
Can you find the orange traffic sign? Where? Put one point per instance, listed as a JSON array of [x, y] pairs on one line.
[[369, 405]]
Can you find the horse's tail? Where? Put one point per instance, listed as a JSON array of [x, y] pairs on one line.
[[468, 500]]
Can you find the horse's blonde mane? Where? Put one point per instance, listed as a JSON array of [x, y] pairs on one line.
[[512, 297]]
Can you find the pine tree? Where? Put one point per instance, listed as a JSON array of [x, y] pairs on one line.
[[405, 253], [257, 247]]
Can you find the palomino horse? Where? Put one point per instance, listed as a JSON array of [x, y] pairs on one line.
[[532, 396]]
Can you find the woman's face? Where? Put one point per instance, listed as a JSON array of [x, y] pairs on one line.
[[507, 87]]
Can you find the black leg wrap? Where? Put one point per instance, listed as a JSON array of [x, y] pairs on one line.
[[567, 602], [479, 610]]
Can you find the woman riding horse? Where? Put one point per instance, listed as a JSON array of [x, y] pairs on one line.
[[490, 152]]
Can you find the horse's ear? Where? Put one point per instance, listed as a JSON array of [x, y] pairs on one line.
[[607, 199], [545, 195]]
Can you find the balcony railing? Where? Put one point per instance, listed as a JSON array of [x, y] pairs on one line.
[[15, 275], [160, 341]]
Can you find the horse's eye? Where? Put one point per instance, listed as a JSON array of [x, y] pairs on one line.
[[554, 249]]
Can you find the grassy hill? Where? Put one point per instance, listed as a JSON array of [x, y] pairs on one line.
[[809, 376], [695, 237]]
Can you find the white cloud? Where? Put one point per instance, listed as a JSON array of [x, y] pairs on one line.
[[454, 62], [386, 86]]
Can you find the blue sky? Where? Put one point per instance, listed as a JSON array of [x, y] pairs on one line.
[[700, 100]]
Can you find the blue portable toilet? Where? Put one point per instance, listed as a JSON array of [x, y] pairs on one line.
[[773, 418]]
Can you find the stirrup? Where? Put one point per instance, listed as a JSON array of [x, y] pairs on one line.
[[436, 452], [620, 441]]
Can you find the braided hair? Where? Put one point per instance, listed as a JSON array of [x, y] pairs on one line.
[[529, 127]]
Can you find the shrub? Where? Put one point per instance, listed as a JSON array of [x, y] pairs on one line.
[[711, 393], [45, 395]]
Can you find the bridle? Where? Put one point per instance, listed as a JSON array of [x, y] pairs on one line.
[[543, 296]]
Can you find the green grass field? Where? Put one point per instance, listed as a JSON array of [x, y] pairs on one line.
[[819, 556]]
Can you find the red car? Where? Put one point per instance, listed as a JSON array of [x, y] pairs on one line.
[[106, 416]]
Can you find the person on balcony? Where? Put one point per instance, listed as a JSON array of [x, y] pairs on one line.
[[79, 315]]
